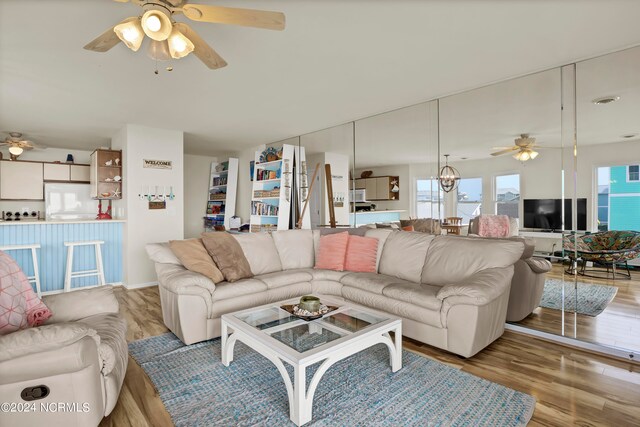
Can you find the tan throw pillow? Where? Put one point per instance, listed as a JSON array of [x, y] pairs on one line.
[[228, 255], [195, 257]]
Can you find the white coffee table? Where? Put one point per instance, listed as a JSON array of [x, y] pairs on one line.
[[283, 338]]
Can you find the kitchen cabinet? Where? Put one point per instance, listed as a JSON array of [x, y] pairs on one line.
[[21, 180], [56, 172], [79, 173], [378, 187], [370, 187]]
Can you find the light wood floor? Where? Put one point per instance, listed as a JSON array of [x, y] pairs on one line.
[[572, 387], [618, 325]]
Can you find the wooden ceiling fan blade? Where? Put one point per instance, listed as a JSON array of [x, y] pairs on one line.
[[104, 41], [508, 150], [202, 50], [235, 16]]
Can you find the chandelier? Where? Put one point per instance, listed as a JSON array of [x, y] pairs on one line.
[[449, 177]]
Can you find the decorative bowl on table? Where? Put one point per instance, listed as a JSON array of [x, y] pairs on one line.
[[309, 308]]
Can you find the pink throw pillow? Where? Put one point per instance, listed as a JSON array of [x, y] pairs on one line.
[[20, 307], [332, 251], [362, 254]]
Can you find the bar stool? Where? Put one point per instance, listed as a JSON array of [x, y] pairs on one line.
[[70, 274], [34, 259]]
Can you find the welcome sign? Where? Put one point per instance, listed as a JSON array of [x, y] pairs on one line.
[[157, 164]]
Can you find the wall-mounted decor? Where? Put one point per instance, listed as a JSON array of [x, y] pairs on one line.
[[158, 205], [157, 164]]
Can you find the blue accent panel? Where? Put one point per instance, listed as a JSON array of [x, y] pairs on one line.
[[52, 255], [371, 218]]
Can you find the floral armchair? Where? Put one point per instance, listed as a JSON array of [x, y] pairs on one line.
[[607, 248]]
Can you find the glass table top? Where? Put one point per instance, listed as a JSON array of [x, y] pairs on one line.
[[303, 336]]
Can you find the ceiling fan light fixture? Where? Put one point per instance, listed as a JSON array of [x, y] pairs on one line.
[[130, 33], [158, 51], [533, 154], [15, 150], [179, 44], [156, 24]]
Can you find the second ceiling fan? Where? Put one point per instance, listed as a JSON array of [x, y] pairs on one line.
[[171, 39]]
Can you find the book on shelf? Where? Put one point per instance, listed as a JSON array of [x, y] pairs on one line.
[[214, 207], [267, 174], [260, 208]]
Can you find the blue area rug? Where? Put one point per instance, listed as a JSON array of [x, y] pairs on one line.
[[589, 299], [198, 390]]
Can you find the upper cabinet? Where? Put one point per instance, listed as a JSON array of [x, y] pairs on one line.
[[56, 172], [106, 174], [379, 187], [21, 180], [79, 173]]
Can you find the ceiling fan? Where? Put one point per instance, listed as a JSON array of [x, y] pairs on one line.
[[171, 39], [17, 144], [523, 148]]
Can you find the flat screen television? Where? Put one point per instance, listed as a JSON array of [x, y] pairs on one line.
[[546, 214]]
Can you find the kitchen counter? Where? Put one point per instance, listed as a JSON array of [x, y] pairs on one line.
[[76, 221], [52, 255], [372, 217]]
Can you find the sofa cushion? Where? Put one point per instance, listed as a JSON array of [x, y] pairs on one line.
[[362, 253], [284, 278], [319, 274], [404, 255], [381, 234], [112, 330], [227, 254], [161, 253], [415, 293], [194, 257], [295, 248], [332, 251], [392, 306], [452, 259], [371, 282], [226, 290], [260, 251], [326, 287]]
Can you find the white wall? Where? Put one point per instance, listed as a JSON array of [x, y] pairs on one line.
[[144, 225], [196, 191]]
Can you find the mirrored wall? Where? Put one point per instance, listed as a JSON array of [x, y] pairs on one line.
[[557, 152]]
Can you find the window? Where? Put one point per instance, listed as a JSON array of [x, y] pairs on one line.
[[427, 193], [604, 183], [633, 173], [507, 199], [469, 199]]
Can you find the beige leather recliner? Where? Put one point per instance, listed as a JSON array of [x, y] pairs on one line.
[[78, 359], [528, 280], [451, 292]]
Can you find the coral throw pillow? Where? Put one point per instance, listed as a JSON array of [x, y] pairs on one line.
[[20, 307], [408, 228], [362, 254], [332, 251]]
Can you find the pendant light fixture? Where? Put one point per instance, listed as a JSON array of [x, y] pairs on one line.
[[449, 176], [130, 32]]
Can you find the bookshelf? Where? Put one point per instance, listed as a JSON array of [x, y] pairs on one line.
[[221, 197], [272, 193]]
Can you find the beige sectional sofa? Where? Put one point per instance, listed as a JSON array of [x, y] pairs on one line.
[[452, 292], [80, 356]]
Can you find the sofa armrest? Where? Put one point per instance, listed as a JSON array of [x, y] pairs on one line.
[[479, 289], [76, 305], [44, 338], [538, 265], [179, 280]]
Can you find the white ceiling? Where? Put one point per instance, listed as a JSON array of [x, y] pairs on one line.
[[336, 61]]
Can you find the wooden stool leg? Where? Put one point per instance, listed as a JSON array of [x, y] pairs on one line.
[[67, 274], [36, 272], [99, 265]]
